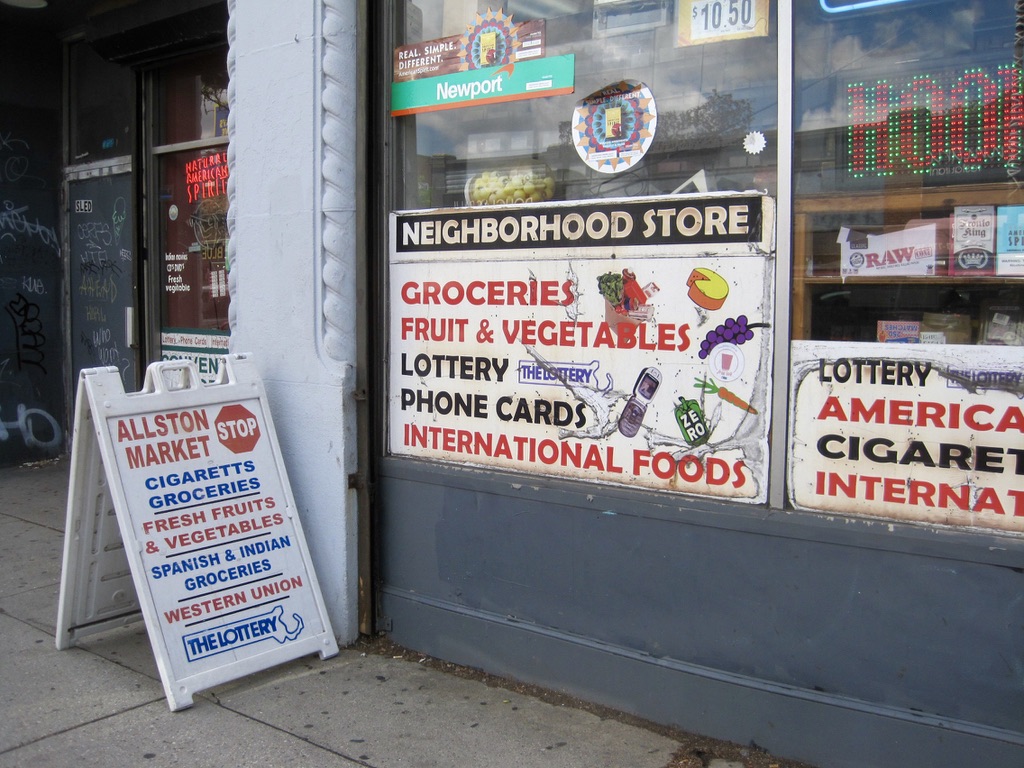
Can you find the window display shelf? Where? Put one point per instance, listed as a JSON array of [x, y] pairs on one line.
[[924, 279], [900, 196], [828, 305]]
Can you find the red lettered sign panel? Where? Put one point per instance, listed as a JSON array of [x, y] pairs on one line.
[[222, 556]]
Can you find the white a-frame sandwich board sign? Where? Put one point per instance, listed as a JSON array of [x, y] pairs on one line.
[[213, 552]]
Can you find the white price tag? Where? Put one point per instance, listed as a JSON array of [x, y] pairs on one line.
[[705, 21]]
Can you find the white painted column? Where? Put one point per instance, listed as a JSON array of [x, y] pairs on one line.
[[292, 253]]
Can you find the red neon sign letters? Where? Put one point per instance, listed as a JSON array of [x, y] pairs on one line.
[[971, 120]]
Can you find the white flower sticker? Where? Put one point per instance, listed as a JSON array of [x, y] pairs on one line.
[[754, 142]]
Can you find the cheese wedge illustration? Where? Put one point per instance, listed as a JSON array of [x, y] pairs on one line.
[[708, 289]]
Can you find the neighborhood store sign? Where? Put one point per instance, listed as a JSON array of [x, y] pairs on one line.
[[624, 342], [931, 433], [219, 564]]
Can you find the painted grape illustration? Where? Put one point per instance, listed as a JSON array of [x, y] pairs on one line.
[[733, 331]]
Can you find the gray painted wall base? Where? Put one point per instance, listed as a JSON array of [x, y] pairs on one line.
[[827, 731]]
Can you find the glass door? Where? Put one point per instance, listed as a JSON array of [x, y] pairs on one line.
[[189, 209], [103, 268]]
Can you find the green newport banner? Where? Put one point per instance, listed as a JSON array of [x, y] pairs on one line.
[[550, 76]]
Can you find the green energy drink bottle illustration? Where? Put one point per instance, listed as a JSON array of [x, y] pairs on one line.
[[690, 419]]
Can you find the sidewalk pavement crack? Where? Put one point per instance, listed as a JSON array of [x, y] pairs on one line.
[[354, 760], [77, 726]]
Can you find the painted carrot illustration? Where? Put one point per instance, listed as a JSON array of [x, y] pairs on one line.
[[709, 386]]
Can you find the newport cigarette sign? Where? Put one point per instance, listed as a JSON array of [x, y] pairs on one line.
[[550, 76]]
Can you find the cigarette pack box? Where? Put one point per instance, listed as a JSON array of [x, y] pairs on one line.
[[613, 122], [974, 241], [488, 48], [1010, 241]]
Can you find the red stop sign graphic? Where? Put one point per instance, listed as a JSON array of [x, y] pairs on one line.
[[237, 428]]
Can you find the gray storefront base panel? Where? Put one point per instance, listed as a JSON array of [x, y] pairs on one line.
[[845, 643]]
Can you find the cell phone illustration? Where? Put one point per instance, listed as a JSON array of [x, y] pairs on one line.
[[646, 386]]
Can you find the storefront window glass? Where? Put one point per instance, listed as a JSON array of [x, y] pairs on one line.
[[907, 164], [101, 107], [194, 232], [195, 100], [559, 309], [192, 212], [708, 65], [908, 261]]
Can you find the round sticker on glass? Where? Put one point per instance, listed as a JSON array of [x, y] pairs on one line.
[[613, 128], [726, 362], [172, 213]]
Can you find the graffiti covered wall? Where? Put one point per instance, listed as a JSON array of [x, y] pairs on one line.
[[31, 361]]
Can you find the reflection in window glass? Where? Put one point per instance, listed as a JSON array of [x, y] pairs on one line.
[[100, 114], [193, 230], [191, 211], [907, 171], [920, 90], [194, 100], [715, 97]]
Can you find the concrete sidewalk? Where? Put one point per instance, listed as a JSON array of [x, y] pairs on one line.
[[102, 703]]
